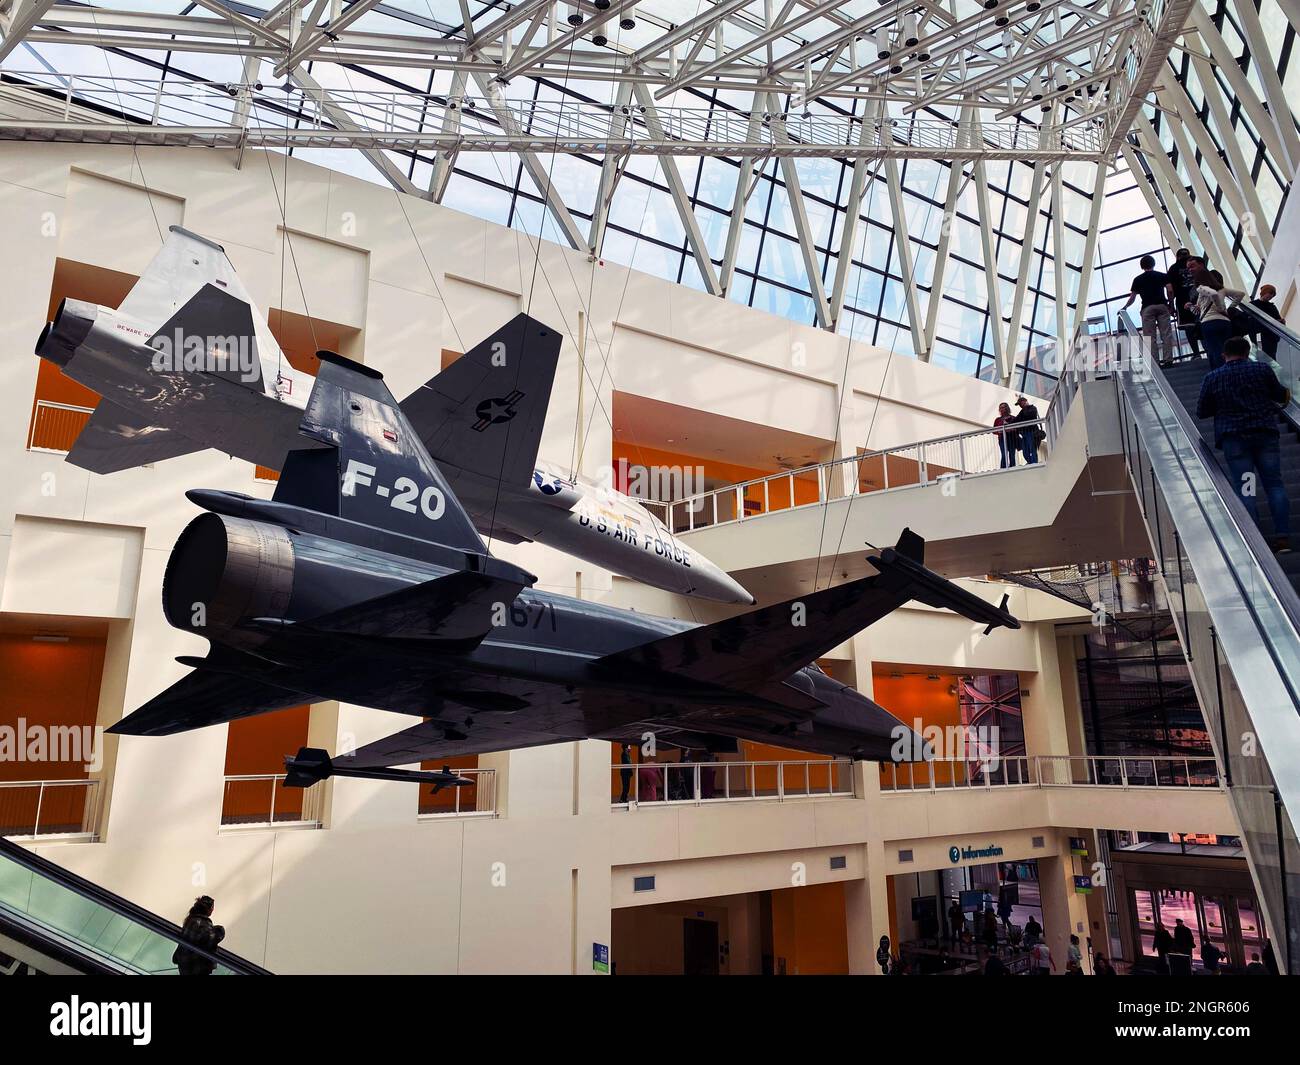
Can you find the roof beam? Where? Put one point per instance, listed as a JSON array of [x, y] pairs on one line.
[[343, 120], [541, 178]]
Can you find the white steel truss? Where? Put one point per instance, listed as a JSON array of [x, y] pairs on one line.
[[1067, 90]]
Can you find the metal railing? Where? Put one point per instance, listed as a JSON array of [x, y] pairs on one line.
[[924, 462], [1137, 771], [256, 800], [476, 800], [43, 808], [286, 113], [56, 426], [950, 774], [698, 783], [1052, 771]]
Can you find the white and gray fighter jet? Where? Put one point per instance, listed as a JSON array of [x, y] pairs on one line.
[[187, 363], [363, 580]]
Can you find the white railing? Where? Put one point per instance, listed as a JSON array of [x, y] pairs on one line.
[[1013, 771], [1141, 771], [283, 113], [46, 808], [925, 462], [260, 800], [476, 800], [697, 783], [974, 453], [1051, 771], [55, 426]]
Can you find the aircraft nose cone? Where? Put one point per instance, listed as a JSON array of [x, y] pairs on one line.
[[720, 586]]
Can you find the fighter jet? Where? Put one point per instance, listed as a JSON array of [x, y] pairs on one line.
[[186, 363], [364, 580]]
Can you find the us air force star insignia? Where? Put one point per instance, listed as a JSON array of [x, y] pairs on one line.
[[496, 410]]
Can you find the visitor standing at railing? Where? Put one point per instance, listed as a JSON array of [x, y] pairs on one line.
[[1243, 398], [1008, 438], [1157, 293], [1264, 304], [1030, 435]]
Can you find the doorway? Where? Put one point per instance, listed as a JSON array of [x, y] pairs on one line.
[[699, 947]]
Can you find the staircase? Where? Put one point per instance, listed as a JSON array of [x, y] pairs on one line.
[[1185, 380]]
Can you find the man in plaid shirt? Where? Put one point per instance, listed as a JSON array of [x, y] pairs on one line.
[[1243, 397]]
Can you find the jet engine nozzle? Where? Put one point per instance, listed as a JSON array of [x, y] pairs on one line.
[[61, 338], [226, 570]]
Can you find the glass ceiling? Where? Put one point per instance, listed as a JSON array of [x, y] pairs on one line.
[[1207, 160]]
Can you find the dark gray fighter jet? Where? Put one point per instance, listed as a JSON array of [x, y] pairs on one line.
[[364, 580]]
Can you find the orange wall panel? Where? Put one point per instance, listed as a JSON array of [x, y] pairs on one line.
[[49, 685]]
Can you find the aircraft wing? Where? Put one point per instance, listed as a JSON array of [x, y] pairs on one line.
[[753, 649], [483, 415], [115, 439], [206, 697]]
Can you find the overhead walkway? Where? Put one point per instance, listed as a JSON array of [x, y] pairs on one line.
[[1238, 615], [55, 922], [976, 516]]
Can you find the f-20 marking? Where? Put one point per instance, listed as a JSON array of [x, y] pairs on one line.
[[404, 493]]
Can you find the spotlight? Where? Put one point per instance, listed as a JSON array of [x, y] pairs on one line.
[[911, 38], [599, 39], [627, 22], [990, 4], [575, 17], [882, 43], [600, 5], [1033, 5], [896, 65], [923, 55], [1001, 20]]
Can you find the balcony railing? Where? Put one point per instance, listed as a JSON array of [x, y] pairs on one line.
[[472, 800], [43, 809], [56, 426], [1013, 771], [697, 783], [1052, 771], [260, 800], [1055, 771], [909, 466]]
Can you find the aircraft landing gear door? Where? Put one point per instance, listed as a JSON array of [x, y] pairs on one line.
[[699, 947]]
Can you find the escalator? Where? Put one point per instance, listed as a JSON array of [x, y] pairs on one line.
[[1236, 607], [55, 922]]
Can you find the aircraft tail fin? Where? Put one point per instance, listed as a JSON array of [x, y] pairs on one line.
[[374, 469], [192, 286], [483, 415]]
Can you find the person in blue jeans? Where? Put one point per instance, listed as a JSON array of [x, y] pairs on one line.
[[1243, 398], [1029, 434]]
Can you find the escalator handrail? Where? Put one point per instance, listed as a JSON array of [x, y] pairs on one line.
[[101, 896], [1282, 332], [1279, 585]]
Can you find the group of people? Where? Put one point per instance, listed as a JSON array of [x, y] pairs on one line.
[[1174, 952], [1205, 308], [1019, 433], [1242, 396]]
